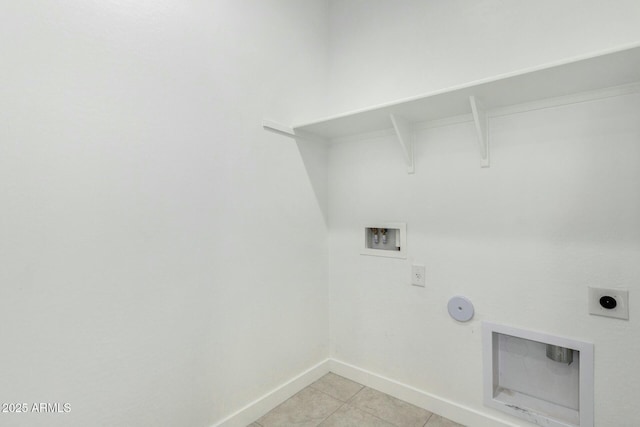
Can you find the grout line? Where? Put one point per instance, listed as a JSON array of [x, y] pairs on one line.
[[276, 407], [375, 416], [359, 409], [348, 402], [324, 392], [329, 416], [393, 401], [353, 372], [342, 403], [337, 409], [357, 393], [427, 422], [364, 409], [339, 400]]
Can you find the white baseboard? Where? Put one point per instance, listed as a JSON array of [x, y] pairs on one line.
[[264, 404], [454, 411]]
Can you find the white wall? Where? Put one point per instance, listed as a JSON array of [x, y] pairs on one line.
[[384, 50], [559, 209], [142, 202], [162, 258]]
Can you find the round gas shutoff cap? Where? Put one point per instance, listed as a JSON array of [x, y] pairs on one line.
[[460, 308]]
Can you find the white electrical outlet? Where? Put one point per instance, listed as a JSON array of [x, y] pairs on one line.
[[609, 302], [417, 275]]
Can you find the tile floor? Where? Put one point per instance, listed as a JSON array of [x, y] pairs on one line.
[[334, 401]]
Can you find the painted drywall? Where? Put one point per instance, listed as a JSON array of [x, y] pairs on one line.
[[384, 50], [162, 258], [557, 211]]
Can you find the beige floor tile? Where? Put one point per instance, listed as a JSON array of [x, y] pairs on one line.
[[438, 421], [254, 425], [350, 416], [307, 408], [337, 386], [390, 409]]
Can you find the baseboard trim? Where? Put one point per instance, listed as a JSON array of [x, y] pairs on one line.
[[447, 408], [454, 411], [264, 404]]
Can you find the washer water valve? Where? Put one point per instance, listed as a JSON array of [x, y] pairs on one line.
[[374, 234], [386, 239]]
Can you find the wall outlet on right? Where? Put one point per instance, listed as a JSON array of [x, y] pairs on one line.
[[417, 275], [609, 302]]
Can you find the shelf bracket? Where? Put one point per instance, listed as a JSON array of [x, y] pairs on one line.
[[405, 138], [281, 129], [276, 127], [482, 130]]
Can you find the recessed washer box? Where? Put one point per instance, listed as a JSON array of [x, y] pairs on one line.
[[524, 379], [386, 239]]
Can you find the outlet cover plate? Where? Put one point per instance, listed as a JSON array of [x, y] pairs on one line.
[[621, 311], [417, 275]]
